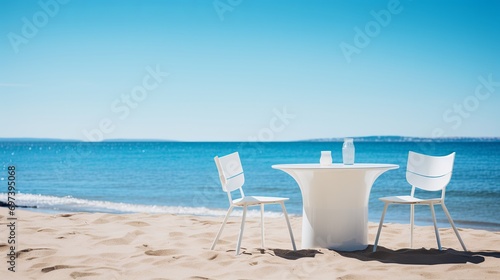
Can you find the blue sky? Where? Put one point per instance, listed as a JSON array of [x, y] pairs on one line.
[[248, 70]]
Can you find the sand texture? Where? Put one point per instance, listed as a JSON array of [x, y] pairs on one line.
[[162, 246]]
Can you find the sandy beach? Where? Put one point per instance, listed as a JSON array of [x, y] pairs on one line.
[[162, 246]]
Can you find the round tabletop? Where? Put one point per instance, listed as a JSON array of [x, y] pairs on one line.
[[335, 166]]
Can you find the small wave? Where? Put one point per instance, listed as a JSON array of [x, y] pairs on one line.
[[72, 204], [480, 224]]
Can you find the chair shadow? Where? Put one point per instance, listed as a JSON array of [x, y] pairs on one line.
[[419, 256], [295, 255]]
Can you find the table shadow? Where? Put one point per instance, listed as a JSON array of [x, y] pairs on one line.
[[295, 255], [420, 256]]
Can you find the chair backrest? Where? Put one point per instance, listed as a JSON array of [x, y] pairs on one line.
[[230, 172], [430, 173]]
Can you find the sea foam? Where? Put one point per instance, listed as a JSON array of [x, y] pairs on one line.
[[72, 204]]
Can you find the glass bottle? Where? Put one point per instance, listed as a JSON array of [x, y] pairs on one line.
[[348, 151]]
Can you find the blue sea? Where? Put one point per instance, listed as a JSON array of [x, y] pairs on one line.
[[181, 177]]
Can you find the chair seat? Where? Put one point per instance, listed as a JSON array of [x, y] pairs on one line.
[[407, 199], [252, 200]]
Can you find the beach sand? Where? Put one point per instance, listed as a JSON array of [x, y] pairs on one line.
[[163, 246]]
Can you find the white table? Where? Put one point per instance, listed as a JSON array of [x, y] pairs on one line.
[[335, 203]]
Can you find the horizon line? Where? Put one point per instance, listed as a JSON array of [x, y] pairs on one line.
[[373, 138]]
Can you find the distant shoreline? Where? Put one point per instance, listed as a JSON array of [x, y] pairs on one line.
[[394, 139]]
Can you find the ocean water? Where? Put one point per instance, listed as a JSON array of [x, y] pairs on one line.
[[181, 177]]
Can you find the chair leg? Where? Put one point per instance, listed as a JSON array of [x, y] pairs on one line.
[[262, 225], [222, 227], [241, 229], [412, 223], [288, 224], [453, 225], [435, 225], [380, 227]]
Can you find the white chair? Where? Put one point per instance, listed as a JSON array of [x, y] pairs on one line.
[[429, 173], [232, 179]]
